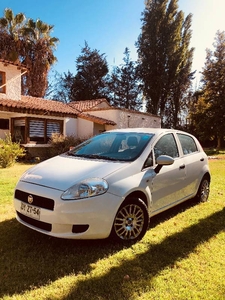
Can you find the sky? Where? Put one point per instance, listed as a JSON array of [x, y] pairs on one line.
[[110, 26]]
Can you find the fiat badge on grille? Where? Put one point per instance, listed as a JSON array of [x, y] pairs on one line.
[[30, 199]]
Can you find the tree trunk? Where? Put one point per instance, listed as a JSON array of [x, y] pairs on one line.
[[219, 139]]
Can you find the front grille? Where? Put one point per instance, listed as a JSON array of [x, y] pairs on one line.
[[37, 200], [35, 223]]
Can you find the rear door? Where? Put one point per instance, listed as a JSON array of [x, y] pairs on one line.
[[194, 160]]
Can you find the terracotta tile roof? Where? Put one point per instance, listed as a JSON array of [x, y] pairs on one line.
[[39, 106], [48, 105], [90, 105], [35, 105], [18, 64], [95, 119], [86, 105]]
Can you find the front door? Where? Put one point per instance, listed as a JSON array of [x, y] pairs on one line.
[[168, 186]]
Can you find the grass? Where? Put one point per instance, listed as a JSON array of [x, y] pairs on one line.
[[181, 257]]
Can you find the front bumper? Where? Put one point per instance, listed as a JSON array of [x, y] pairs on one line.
[[89, 218]]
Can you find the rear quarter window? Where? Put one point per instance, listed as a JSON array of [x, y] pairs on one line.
[[187, 143]]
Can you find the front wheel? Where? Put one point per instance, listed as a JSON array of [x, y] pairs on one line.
[[131, 221], [203, 191]]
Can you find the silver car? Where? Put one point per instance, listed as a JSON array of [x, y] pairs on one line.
[[112, 184]]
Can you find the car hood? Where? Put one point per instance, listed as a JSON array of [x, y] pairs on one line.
[[61, 172]]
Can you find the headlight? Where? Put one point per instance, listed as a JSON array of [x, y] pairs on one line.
[[87, 188]]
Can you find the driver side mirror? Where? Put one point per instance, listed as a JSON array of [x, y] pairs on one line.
[[163, 160]]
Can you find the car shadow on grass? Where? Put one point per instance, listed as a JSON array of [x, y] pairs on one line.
[[147, 265], [30, 260]]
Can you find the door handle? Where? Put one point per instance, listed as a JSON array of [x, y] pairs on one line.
[[182, 167]]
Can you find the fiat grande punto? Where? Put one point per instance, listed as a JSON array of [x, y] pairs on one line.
[[112, 184]]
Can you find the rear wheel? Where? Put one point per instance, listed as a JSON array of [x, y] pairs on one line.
[[203, 191], [131, 221]]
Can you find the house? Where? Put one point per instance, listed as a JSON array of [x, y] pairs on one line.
[[100, 109], [31, 121]]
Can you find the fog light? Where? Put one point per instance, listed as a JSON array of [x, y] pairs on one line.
[[79, 228]]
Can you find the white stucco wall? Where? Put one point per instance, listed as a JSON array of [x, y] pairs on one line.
[[70, 127], [85, 128], [125, 119], [13, 82]]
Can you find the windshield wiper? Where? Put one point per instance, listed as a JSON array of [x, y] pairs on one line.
[[70, 153], [96, 156]]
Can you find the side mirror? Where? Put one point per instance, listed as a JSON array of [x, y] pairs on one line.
[[163, 160]]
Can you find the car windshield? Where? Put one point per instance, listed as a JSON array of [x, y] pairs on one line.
[[117, 146]]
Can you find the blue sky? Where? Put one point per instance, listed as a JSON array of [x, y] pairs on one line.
[[111, 25]]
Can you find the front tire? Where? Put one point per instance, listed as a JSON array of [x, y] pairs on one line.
[[131, 221], [203, 190]]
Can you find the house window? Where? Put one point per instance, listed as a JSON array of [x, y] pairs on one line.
[[52, 127], [4, 123], [18, 133], [36, 130], [2, 82]]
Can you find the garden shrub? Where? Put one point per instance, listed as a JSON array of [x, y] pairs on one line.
[[9, 152], [60, 143]]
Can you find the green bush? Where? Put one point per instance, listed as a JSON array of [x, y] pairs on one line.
[[61, 143], [9, 152]]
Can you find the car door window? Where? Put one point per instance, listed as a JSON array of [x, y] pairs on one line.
[[166, 146], [187, 143]]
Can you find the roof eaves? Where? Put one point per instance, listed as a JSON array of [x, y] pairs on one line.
[[95, 119], [18, 65], [51, 108]]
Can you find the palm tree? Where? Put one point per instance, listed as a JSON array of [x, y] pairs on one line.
[[10, 35], [39, 48], [30, 43]]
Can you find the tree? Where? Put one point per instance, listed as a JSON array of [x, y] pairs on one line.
[[60, 87], [30, 43], [124, 84], [90, 79], [199, 117], [213, 79], [11, 43], [38, 56], [164, 57]]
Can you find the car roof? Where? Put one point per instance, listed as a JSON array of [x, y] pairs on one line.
[[147, 130]]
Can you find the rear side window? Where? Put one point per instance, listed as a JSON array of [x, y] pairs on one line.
[[166, 146], [187, 143]]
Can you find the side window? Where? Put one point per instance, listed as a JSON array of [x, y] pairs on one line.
[[166, 146], [4, 123], [187, 143]]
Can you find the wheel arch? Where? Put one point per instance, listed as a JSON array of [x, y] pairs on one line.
[[207, 176], [140, 195]]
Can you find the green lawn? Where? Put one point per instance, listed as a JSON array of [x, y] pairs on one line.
[[182, 256]]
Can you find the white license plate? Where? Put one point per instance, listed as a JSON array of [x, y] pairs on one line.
[[30, 211]]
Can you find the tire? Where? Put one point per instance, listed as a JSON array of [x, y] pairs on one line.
[[131, 221], [203, 190]]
